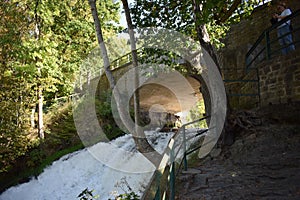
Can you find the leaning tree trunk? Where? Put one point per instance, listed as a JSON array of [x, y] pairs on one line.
[[32, 122], [40, 112], [139, 136], [101, 43], [142, 144], [203, 38], [40, 89], [204, 41], [135, 65], [202, 34]]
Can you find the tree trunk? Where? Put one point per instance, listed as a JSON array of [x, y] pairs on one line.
[[80, 81], [40, 90], [202, 34], [205, 43], [142, 144], [139, 136], [134, 60], [101, 43], [32, 118], [40, 113], [229, 12]]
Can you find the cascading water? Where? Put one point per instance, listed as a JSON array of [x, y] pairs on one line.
[[70, 175], [100, 167]]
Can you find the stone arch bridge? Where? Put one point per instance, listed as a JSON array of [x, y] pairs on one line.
[[154, 93]]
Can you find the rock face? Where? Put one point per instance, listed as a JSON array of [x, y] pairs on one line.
[[263, 163]]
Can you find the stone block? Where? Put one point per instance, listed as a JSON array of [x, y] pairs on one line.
[[275, 67], [261, 72], [281, 92], [275, 100], [296, 82], [297, 90], [295, 61], [284, 100], [276, 73], [272, 81], [297, 77], [279, 79], [288, 77], [266, 70], [296, 97], [272, 87]]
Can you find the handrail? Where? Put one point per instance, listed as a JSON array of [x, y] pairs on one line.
[[162, 184], [266, 35], [195, 121]]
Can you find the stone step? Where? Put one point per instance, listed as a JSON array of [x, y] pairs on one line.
[[191, 171]]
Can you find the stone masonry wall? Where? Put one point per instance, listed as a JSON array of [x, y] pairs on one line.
[[280, 79], [243, 35], [238, 41]]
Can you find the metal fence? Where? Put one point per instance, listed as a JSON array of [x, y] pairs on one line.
[[267, 45], [162, 184]]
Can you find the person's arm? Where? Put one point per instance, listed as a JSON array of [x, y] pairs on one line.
[[284, 14]]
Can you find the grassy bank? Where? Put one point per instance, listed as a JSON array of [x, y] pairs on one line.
[[60, 139]]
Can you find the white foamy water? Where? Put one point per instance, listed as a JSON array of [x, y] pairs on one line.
[[98, 167]]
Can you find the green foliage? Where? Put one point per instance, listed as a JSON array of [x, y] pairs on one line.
[[12, 147], [243, 11], [217, 33], [179, 16], [197, 112], [15, 93], [105, 116], [50, 59], [159, 58], [128, 194], [61, 139], [87, 194], [36, 157]]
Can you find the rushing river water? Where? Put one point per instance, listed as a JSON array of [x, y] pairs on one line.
[[105, 168], [101, 167]]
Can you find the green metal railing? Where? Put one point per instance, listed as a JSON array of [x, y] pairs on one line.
[[144, 54], [265, 46], [238, 80], [162, 184], [239, 83], [126, 59]]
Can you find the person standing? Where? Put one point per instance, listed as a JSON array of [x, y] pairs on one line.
[[283, 31]]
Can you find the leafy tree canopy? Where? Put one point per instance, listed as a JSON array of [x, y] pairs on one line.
[[42, 43], [179, 15]]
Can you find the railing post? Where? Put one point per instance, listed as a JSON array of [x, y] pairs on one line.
[[184, 150], [268, 47], [157, 195], [172, 175], [247, 63], [258, 87]]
